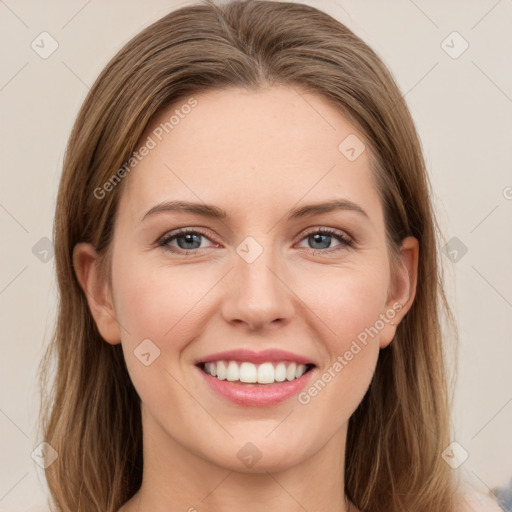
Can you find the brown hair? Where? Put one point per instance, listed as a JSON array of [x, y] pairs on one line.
[[91, 415]]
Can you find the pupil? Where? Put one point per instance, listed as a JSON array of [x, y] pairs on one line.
[[316, 239], [188, 240]]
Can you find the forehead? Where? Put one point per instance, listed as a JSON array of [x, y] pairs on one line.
[[251, 152]]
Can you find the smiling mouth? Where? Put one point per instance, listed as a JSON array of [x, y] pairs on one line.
[[250, 373]]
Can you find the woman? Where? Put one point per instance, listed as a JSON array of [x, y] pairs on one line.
[[292, 358]]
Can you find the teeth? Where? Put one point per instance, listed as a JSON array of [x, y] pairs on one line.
[[248, 372], [290, 371], [265, 373], [232, 373], [280, 372], [220, 369]]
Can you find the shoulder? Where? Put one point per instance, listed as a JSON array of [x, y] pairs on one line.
[[474, 501]]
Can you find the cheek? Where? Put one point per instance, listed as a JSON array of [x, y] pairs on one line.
[[168, 306], [158, 308], [347, 304], [152, 298], [345, 300]]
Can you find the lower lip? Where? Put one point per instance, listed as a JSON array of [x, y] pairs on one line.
[[256, 395]]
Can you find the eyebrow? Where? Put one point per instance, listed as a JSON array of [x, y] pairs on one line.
[[215, 212]]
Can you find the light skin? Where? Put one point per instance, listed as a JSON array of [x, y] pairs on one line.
[[256, 155]]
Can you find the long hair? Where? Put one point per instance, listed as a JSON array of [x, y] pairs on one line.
[[90, 411]]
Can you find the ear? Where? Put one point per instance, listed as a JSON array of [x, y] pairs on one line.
[[403, 291], [97, 291]]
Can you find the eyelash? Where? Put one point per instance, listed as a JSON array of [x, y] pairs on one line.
[[345, 241]]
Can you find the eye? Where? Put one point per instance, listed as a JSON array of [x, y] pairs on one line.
[[186, 240], [189, 240], [322, 238]]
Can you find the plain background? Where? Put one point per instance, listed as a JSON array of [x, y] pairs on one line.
[[463, 110]]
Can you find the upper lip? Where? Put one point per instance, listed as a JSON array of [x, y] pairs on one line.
[[269, 355]]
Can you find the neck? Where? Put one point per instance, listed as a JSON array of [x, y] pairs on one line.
[[175, 479]]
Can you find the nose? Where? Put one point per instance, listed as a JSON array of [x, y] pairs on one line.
[[257, 294]]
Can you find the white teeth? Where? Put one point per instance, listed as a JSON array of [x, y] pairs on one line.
[[300, 370], [221, 370], [280, 372], [248, 372], [265, 373], [210, 368], [232, 372], [290, 372]]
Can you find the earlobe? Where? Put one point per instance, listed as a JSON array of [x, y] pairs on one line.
[[404, 288], [97, 291]]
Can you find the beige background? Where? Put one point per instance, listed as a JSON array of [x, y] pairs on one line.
[[463, 110]]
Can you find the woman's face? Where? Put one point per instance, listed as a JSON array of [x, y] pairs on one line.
[[261, 279]]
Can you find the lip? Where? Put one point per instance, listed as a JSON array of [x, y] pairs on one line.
[[264, 356], [256, 395]]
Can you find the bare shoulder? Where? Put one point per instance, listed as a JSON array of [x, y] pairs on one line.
[[474, 501]]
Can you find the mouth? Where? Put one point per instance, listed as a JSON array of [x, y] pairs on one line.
[[246, 372], [251, 379]]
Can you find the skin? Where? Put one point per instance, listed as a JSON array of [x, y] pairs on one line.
[[257, 155]]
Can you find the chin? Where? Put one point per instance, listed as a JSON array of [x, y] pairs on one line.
[[256, 454]]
